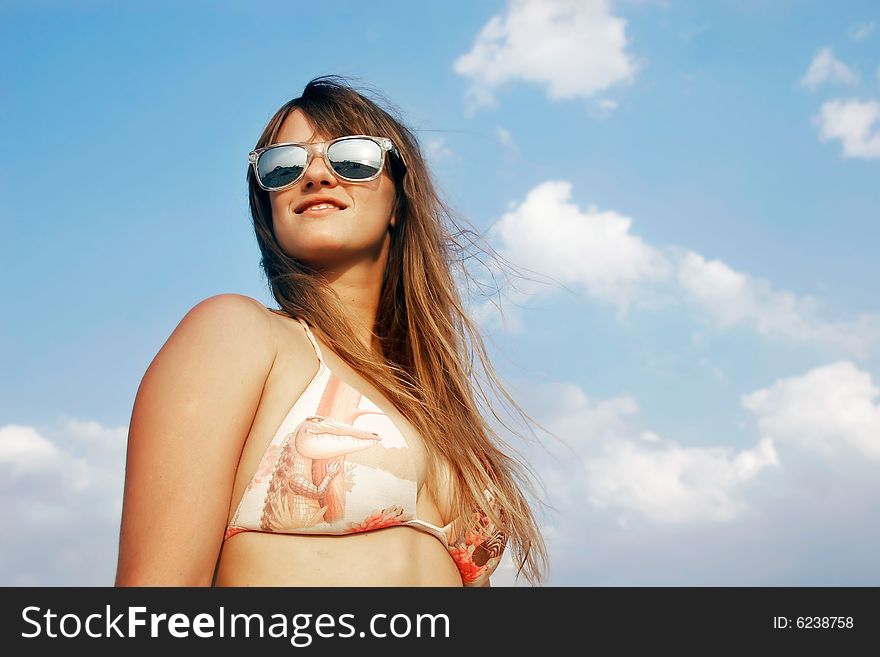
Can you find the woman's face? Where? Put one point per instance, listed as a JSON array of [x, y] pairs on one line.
[[336, 239]]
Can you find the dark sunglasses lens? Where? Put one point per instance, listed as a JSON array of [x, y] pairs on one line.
[[280, 166], [355, 159]]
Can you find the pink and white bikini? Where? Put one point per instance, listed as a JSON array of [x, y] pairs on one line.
[[338, 465]]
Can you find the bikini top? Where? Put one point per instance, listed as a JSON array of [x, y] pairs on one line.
[[338, 465]]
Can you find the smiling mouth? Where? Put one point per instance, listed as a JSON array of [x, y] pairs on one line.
[[320, 209]]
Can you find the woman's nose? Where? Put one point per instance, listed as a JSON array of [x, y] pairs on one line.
[[318, 173]]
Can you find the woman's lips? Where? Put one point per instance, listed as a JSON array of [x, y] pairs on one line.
[[319, 210]]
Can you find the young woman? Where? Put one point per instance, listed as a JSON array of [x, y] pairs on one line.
[[337, 440]]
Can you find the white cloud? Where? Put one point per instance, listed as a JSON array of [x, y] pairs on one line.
[[830, 410], [632, 472], [594, 250], [505, 139], [575, 48], [24, 450], [598, 254], [862, 31], [672, 484], [632, 507], [602, 108], [853, 122], [826, 68], [62, 492], [436, 149], [25, 456], [109, 439], [729, 297]]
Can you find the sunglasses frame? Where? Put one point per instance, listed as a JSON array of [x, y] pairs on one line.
[[321, 147]]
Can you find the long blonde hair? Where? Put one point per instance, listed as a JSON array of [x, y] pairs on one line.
[[428, 343]]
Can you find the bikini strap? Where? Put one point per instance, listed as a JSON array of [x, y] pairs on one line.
[[312, 340]]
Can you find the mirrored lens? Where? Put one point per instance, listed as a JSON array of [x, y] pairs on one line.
[[355, 159], [280, 166]]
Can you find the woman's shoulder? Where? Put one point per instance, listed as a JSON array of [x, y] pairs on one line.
[[226, 323], [233, 306], [241, 306], [269, 332]]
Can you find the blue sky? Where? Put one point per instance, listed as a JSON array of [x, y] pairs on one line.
[[701, 177]]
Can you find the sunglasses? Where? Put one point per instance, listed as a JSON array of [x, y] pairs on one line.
[[354, 158]]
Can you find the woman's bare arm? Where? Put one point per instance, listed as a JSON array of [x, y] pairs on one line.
[[191, 416]]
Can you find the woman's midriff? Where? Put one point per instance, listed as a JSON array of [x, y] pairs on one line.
[[395, 556]]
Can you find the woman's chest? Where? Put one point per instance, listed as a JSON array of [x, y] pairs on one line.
[[329, 414]]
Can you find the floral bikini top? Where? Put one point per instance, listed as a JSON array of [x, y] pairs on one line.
[[338, 465]]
